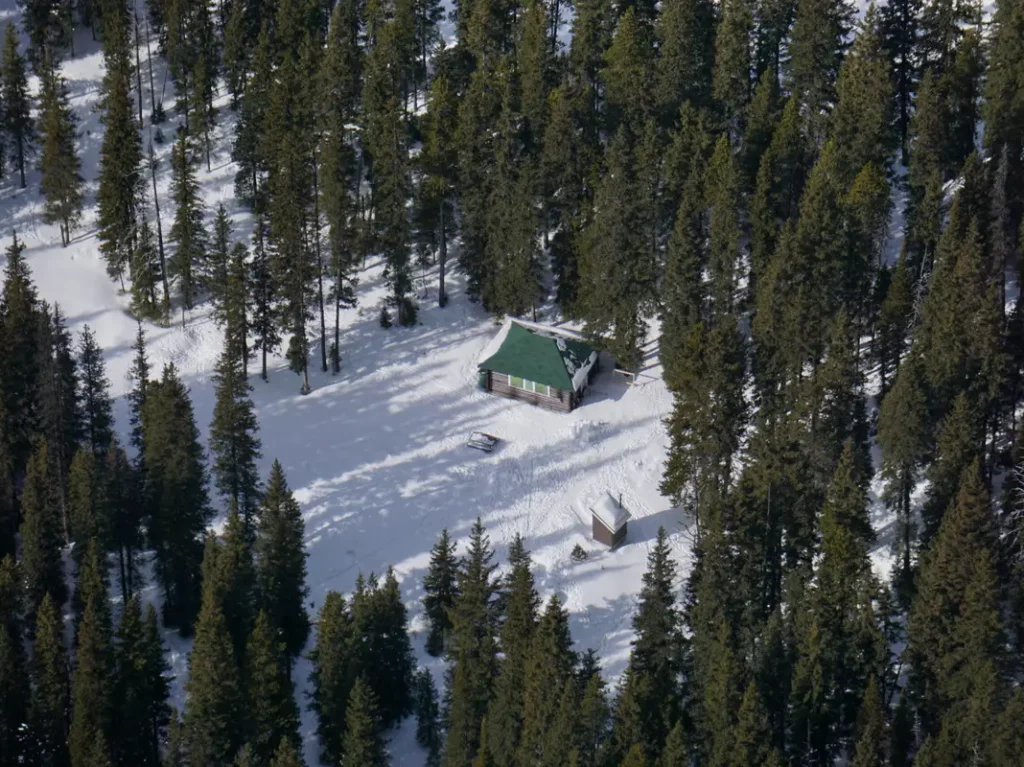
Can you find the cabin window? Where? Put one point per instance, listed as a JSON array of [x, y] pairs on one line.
[[517, 382]]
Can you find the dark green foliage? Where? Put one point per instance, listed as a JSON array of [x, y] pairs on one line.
[[265, 334], [141, 688], [187, 231], [899, 25], [97, 407], [17, 102], [228, 570], [332, 676], [472, 651], [731, 86], [19, 307], [871, 737], [41, 565], [88, 509], [956, 445], [816, 49], [281, 562], [363, 745], [428, 726], [684, 31], [119, 194], [248, 150], [616, 267], [62, 180], [440, 592], [14, 693], [91, 587], [175, 490], [234, 443], [123, 496], [272, 714], [287, 755], [91, 689], [216, 707], [50, 707]]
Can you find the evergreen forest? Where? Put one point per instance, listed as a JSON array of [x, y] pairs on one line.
[[813, 208]]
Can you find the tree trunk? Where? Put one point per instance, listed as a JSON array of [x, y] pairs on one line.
[[152, 87], [336, 356], [442, 261], [21, 160], [138, 67], [160, 236], [319, 263]]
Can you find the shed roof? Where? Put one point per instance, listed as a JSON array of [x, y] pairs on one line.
[[547, 358], [610, 512]]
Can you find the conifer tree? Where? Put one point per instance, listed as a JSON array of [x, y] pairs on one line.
[[14, 692], [118, 197], [138, 376], [140, 691], [237, 52], [435, 215], [16, 101], [233, 578], [19, 347], [8, 510], [41, 565], [440, 593], [50, 707], [627, 73], [956, 444], [287, 756], [97, 408], [472, 650], [188, 230], [273, 717], [93, 705], [870, 749], [146, 272], [215, 271], [816, 49], [124, 498], [616, 270], [215, 711], [762, 118], [332, 675], [902, 434], [234, 443], [862, 121], [685, 34], [1003, 82], [91, 586], [954, 633], [281, 562], [265, 335], [893, 324], [62, 180], [731, 85], [248, 151], [175, 477], [428, 726], [363, 744], [899, 26]]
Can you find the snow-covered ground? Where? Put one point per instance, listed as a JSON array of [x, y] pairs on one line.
[[377, 455]]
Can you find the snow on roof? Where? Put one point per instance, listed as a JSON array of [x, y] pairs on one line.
[[552, 356], [492, 348], [610, 512]]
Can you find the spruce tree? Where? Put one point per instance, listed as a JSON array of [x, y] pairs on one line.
[[14, 692], [93, 704], [124, 498], [440, 591], [215, 710], [287, 756], [816, 50], [273, 717], [616, 266], [140, 691], [363, 744], [332, 677], [234, 443], [893, 323], [146, 271], [16, 101], [97, 407], [281, 562], [118, 196], [41, 565], [236, 306], [428, 726], [62, 180], [188, 230], [19, 347], [1003, 82], [731, 85], [8, 509], [215, 271], [50, 707], [91, 586], [248, 151], [472, 650], [138, 377], [685, 34], [899, 25], [265, 334], [956, 444], [175, 487], [870, 750]]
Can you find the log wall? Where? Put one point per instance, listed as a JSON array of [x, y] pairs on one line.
[[498, 383]]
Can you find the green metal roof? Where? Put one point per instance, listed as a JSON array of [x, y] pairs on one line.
[[539, 358]]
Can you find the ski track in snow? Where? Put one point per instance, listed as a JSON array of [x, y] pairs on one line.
[[376, 456]]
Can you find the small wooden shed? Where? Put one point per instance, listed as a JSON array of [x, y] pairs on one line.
[[610, 520], [545, 366]]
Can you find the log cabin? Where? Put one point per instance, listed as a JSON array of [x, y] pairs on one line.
[[548, 367]]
